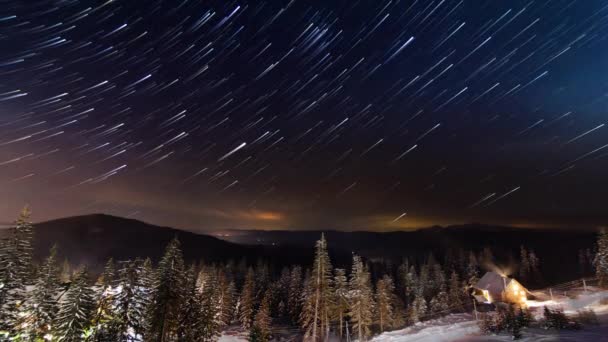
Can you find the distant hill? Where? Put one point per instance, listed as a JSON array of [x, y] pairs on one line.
[[557, 248], [92, 239]]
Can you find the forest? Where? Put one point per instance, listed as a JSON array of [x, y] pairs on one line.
[[172, 300]]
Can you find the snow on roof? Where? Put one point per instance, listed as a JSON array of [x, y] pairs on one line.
[[493, 282]]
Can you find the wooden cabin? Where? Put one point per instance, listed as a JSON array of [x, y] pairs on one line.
[[493, 288]]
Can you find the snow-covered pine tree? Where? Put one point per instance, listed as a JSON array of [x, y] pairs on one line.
[[190, 312], [601, 258], [260, 332], [524, 264], [225, 298], [130, 303], [385, 308], [247, 300], [472, 274], [439, 304], [418, 308], [423, 281], [167, 295], [41, 306], [75, 310], [318, 295], [15, 272], [534, 266], [282, 293], [456, 292], [294, 302], [103, 322], [361, 299], [143, 296], [65, 274], [25, 235], [109, 275], [438, 278], [341, 299], [410, 285], [209, 295]]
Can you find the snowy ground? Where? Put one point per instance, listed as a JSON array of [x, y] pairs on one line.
[[462, 327]]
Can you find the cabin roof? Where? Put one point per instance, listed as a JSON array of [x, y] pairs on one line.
[[493, 282]]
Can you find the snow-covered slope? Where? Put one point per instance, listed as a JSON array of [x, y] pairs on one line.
[[448, 328], [463, 327]]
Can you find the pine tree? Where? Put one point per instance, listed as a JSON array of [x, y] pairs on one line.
[[42, 305], [317, 306], [524, 267], [25, 233], [282, 290], [65, 275], [75, 310], [225, 298], [247, 301], [209, 294], [341, 298], [131, 302], [438, 278], [601, 258], [294, 302], [260, 331], [361, 299], [190, 312], [15, 271], [385, 302], [439, 304], [410, 284], [472, 270], [109, 275], [418, 308], [103, 322], [455, 292], [534, 266], [167, 296]]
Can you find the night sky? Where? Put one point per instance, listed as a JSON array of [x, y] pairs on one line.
[[376, 115]]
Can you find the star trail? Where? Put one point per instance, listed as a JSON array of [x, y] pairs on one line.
[[306, 114]]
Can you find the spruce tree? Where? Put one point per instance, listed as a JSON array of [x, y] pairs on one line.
[[524, 264], [385, 308], [225, 298], [25, 234], [294, 303], [260, 331], [104, 324], [534, 266], [456, 292], [190, 312], [15, 272], [439, 304], [131, 301], [601, 258], [75, 310], [317, 306], [361, 299], [209, 295], [42, 306], [247, 300], [418, 309], [341, 298], [282, 290], [472, 274], [167, 295]]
